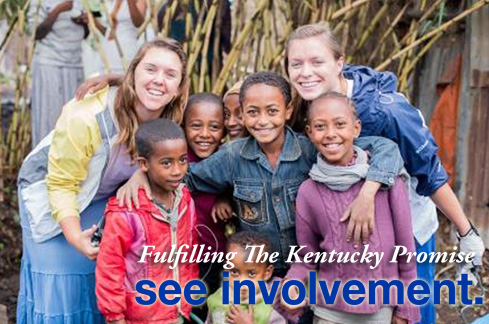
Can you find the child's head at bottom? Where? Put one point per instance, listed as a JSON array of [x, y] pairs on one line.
[[332, 126], [255, 270], [204, 123], [265, 99], [162, 155]]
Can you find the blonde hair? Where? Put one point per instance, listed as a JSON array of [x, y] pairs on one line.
[[126, 95], [298, 118]]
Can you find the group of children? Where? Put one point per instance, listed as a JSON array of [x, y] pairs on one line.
[[286, 188]]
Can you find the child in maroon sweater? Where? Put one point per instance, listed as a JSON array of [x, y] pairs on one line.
[[335, 181]]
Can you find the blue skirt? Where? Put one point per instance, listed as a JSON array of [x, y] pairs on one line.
[[57, 283]]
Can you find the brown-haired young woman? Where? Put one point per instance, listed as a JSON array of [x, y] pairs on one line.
[[65, 182], [383, 112]]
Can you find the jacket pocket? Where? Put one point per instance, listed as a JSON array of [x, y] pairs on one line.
[[251, 201]]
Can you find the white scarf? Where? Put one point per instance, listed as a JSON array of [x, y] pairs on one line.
[[340, 178]]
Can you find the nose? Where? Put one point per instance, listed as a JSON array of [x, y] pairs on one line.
[[232, 121], [263, 120], [306, 70], [177, 170], [330, 133], [204, 133], [159, 78]]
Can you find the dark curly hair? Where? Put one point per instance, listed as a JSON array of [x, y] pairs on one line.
[[269, 78], [155, 131], [332, 95], [244, 238], [202, 97]]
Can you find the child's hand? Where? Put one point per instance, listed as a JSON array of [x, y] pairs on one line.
[[398, 320], [361, 213], [91, 85], [128, 193], [293, 294], [237, 315], [222, 209]]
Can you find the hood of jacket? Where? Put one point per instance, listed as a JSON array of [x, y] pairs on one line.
[[368, 87]]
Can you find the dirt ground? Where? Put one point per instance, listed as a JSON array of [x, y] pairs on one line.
[[11, 248]]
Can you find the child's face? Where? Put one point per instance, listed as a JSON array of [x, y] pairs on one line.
[[167, 166], [233, 120], [265, 113], [204, 128], [332, 129], [247, 270]]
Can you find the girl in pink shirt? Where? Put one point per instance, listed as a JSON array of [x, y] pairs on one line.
[[336, 180]]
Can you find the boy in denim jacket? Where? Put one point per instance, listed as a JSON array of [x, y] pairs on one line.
[[266, 169]]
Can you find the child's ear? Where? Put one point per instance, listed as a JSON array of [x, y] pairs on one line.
[[308, 130], [269, 272], [143, 164], [357, 125], [288, 111]]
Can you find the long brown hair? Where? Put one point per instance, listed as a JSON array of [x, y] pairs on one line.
[[125, 99], [298, 119]]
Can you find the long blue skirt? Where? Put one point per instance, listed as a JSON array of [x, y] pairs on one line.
[[57, 283]]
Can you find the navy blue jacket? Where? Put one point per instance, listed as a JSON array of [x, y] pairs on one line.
[[385, 112]]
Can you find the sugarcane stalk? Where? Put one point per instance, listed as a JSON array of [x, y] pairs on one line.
[[208, 28], [371, 27], [347, 8], [97, 35], [388, 32], [116, 39], [407, 70], [224, 74], [441, 29]]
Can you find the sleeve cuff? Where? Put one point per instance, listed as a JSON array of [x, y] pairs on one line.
[[386, 179], [111, 317], [68, 212]]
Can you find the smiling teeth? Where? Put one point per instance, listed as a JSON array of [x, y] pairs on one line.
[[309, 84], [155, 92], [332, 145]]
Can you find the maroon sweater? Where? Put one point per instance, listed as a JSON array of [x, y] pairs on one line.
[[210, 233], [318, 227]]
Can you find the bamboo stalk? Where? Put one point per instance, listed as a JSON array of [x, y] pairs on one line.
[[371, 27], [478, 5], [224, 74], [97, 35], [407, 70], [346, 9], [388, 32], [208, 27]]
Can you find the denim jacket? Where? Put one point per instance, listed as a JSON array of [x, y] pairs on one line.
[[265, 196]]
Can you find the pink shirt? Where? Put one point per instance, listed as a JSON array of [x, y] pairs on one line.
[[318, 227]]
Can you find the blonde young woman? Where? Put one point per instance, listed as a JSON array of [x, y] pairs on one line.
[[383, 112], [66, 180]]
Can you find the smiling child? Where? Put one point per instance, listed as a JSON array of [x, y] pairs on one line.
[[167, 218]]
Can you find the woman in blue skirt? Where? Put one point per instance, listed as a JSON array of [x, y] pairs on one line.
[[64, 183]]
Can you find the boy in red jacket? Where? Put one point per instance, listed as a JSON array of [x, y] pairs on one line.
[[167, 219]]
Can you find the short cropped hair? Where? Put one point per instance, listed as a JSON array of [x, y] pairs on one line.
[[156, 131], [269, 78], [202, 97], [332, 95], [251, 238]]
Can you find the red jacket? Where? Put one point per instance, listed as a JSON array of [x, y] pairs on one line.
[[118, 271]]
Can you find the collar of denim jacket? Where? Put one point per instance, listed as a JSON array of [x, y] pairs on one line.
[[291, 150]]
